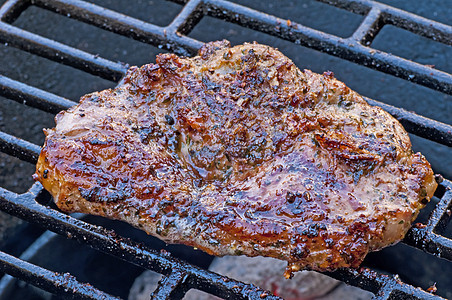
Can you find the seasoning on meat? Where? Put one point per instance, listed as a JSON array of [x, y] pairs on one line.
[[237, 151]]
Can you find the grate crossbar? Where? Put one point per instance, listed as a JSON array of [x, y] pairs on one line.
[[369, 28], [171, 287], [187, 19]]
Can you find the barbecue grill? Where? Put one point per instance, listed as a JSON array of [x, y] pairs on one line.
[[180, 276]]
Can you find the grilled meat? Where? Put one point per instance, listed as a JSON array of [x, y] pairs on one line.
[[236, 151]]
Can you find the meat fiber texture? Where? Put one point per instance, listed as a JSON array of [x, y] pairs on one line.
[[238, 152]]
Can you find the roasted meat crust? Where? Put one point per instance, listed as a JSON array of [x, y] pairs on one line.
[[236, 151]]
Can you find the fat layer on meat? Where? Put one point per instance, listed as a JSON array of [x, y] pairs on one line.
[[237, 151]]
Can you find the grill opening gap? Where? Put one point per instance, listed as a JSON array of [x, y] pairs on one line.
[[414, 47], [16, 235], [435, 10], [439, 156], [144, 285], [15, 174], [23, 121], [44, 198], [444, 226], [414, 267], [86, 37], [19, 289], [158, 12], [426, 211], [63, 255], [48, 75], [314, 14]]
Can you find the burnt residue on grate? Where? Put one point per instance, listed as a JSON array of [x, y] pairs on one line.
[[69, 51]]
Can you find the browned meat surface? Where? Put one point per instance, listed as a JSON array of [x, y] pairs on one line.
[[237, 151]]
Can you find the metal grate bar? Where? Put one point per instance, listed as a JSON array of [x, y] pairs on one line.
[[187, 19], [443, 207], [344, 48], [369, 27], [400, 18], [123, 25], [33, 97], [61, 53], [383, 286], [58, 284], [171, 287], [184, 22], [421, 126], [25, 207], [19, 148], [12, 9]]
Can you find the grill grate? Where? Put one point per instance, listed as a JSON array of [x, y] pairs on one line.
[[179, 276]]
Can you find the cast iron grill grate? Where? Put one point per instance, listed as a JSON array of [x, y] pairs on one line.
[[180, 276]]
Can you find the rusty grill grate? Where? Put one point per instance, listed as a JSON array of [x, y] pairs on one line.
[[180, 276]]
